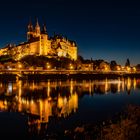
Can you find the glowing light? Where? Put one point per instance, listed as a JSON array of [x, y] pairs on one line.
[[128, 69], [118, 68], [10, 87], [48, 65], [71, 66], [106, 68], [134, 69], [19, 66]]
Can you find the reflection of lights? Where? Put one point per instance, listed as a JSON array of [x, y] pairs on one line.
[[32, 101], [123, 84], [48, 88], [106, 86], [5, 102], [65, 100], [60, 102], [9, 87], [134, 83], [119, 85], [128, 83], [41, 109], [65, 105], [90, 86], [71, 86], [75, 101]]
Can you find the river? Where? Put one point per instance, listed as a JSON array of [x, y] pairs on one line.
[[32, 110]]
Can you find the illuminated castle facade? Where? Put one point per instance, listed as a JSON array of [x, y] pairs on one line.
[[38, 43]]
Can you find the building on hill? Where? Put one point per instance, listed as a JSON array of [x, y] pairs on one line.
[[39, 43]]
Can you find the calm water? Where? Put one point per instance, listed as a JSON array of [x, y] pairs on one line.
[[34, 109]]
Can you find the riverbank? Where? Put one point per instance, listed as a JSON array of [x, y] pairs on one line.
[[80, 76], [123, 126]]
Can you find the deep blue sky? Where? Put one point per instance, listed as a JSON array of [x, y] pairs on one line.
[[103, 29]]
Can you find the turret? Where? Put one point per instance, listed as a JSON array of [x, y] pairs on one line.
[[30, 27], [44, 30], [30, 31], [37, 28]]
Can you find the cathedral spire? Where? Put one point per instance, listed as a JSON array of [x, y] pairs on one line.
[[37, 27], [37, 24], [30, 26], [44, 30]]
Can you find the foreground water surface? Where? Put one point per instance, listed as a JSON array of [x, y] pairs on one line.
[[33, 109]]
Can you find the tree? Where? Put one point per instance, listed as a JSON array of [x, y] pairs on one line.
[[127, 64], [6, 58], [138, 67], [113, 65]]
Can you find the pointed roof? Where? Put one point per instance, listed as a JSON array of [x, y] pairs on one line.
[[44, 30], [30, 26], [37, 24]]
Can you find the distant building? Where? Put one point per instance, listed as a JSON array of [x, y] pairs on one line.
[[87, 66], [38, 43], [104, 66]]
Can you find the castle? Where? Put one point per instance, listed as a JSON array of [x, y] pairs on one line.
[[39, 43]]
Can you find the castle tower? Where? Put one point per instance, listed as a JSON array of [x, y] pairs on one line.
[[44, 30], [45, 42], [37, 29], [30, 31]]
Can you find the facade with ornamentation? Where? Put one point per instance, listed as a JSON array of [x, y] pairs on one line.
[[39, 43]]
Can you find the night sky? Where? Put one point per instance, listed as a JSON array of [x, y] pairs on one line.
[[103, 29]]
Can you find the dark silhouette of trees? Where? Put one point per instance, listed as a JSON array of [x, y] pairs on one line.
[[138, 67], [113, 65], [97, 63], [80, 59], [43, 61], [6, 58], [127, 64], [37, 61]]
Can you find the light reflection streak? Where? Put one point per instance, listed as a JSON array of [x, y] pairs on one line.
[[62, 96]]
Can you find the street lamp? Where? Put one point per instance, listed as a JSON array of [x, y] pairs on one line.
[[19, 66], [48, 65], [71, 66]]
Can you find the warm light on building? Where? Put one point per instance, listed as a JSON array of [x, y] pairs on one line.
[[128, 69], [106, 69], [39, 43], [71, 67], [48, 66], [19, 66], [118, 68], [134, 69]]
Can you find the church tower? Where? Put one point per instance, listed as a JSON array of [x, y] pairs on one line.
[[37, 29], [30, 32], [45, 42], [44, 31]]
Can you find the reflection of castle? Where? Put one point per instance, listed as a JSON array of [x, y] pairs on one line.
[[38, 43], [60, 98], [44, 107]]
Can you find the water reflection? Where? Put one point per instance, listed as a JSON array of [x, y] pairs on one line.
[[43, 100]]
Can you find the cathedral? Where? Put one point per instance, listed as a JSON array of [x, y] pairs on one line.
[[39, 43]]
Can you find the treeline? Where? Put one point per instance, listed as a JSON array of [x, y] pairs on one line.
[[65, 63]]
